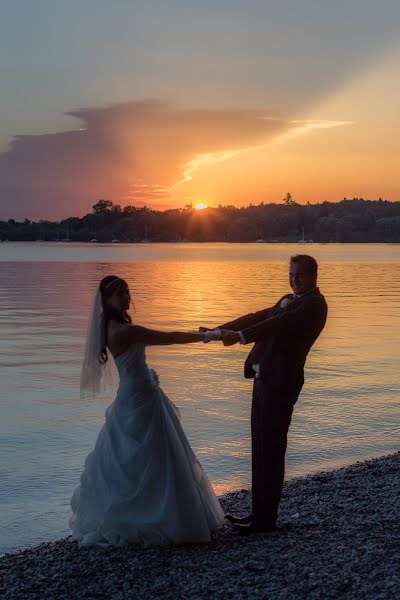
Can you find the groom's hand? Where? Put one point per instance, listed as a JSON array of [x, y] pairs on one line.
[[229, 337], [212, 335]]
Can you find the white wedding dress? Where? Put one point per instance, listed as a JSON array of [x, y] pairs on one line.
[[142, 483]]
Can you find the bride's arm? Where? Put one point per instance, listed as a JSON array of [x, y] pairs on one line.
[[133, 334]]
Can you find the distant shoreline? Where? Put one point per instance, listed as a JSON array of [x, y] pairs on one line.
[[149, 242], [348, 221], [338, 537]]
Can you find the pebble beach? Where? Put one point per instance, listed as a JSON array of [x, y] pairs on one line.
[[338, 537]]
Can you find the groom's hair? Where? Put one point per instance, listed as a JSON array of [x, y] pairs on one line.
[[307, 261]]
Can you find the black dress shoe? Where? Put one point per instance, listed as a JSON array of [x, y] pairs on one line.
[[239, 520], [252, 528]]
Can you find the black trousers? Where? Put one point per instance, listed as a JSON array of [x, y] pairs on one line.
[[271, 414]]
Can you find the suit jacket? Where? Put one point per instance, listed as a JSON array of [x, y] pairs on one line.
[[283, 338]]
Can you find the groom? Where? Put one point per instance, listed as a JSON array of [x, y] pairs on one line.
[[283, 336]]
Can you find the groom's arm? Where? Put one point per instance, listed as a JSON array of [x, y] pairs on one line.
[[308, 317], [249, 320]]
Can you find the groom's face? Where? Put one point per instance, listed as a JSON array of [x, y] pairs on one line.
[[301, 278]]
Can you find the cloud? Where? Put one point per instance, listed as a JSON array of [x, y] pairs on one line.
[[295, 128], [307, 126], [132, 153]]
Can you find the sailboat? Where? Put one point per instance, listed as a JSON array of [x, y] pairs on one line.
[[145, 239], [67, 239], [303, 241], [94, 240]]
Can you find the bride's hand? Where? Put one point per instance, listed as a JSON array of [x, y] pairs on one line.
[[204, 330]]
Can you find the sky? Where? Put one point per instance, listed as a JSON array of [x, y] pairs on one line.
[[169, 102]]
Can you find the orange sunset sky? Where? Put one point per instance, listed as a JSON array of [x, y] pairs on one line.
[[169, 103]]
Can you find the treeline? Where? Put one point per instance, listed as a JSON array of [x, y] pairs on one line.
[[355, 220]]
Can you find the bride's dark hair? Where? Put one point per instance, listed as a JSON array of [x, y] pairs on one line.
[[107, 287]]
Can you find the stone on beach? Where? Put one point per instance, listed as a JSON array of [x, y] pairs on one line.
[[339, 537]]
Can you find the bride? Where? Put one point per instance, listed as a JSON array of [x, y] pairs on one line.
[[142, 483]]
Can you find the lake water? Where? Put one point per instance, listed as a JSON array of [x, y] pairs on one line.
[[348, 409]]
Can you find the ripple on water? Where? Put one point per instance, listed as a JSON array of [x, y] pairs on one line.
[[347, 411]]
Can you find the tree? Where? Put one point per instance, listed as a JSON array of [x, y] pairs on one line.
[[129, 210], [102, 206], [350, 220], [289, 200]]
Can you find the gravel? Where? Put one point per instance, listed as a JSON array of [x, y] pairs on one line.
[[338, 538]]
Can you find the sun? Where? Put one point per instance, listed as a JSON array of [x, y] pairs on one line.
[[200, 206]]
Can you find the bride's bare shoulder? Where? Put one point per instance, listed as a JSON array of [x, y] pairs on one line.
[[117, 330], [118, 337]]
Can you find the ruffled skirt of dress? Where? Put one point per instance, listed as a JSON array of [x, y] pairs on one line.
[[142, 483]]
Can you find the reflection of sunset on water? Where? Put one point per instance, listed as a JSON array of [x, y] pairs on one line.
[[348, 409]]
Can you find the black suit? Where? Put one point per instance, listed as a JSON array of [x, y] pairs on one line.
[[283, 338]]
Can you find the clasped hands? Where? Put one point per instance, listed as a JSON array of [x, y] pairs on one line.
[[227, 337]]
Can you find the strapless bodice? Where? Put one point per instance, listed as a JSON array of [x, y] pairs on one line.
[[132, 365], [133, 359]]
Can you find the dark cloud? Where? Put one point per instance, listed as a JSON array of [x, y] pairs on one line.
[[131, 153]]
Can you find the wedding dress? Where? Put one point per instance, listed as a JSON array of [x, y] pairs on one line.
[[142, 483]]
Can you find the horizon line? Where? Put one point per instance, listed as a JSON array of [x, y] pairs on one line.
[[191, 206]]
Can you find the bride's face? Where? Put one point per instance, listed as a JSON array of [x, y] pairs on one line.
[[120, 299]]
